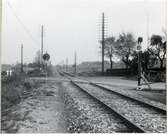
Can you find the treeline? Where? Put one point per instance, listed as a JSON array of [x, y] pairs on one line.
[[124, 48]]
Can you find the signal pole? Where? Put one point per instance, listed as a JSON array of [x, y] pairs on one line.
[[139, 68], [140, 74], [21, 58], [102, 44], [140, 39]]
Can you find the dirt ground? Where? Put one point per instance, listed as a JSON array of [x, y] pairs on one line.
[[42, 112]]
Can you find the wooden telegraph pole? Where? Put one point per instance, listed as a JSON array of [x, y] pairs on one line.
[[21, 58], [75, 64], [41, 44], [103, 43], [66, 64]]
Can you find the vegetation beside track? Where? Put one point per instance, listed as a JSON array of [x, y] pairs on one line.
[[14, 88]]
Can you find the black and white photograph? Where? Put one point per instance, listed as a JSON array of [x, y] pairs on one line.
[[83, 66]]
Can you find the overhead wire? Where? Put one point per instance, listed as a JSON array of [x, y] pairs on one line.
[[22, 24]]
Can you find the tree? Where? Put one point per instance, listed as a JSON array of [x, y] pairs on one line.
[[36, 62], [37, 57], [109, 49], [133, 63], [125, 46], [147, 60], [158, 48]]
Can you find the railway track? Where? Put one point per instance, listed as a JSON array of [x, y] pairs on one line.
[[138, 115], [160, 109], [102, 119]]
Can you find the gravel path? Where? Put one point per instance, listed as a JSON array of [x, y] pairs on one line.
[[144, 117], [86, 115]]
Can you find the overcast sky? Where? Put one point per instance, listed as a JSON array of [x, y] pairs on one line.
[[73, 25]]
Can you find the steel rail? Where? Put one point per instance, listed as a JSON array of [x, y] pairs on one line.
[[139, 101], [132, 126], [158, 109]]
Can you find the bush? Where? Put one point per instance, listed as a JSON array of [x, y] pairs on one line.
[[10, 94], [11, 90]]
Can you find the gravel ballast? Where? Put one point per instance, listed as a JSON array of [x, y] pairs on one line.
[[148, 119], [134, 94], [84, 114]]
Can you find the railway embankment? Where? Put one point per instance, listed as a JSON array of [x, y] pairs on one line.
[[14, 90]]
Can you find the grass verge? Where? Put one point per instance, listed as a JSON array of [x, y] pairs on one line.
[[12, 90]]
